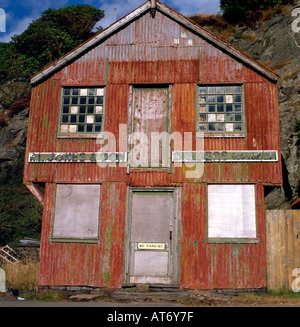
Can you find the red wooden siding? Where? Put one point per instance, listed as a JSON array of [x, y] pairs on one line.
[[95, 265], [202, 265], [219, 265], [262, 125]]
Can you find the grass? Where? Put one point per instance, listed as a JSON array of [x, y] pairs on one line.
[[46, 296], [22, 276], [271, 297]]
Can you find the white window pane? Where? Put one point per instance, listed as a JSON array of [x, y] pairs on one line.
[[72, 128], [74, 109], [83, 92], [76, 212], [90, 119], [231, 211], [100, 92]]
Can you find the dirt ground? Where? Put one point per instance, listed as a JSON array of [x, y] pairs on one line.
[[196, 300], [246, 301]]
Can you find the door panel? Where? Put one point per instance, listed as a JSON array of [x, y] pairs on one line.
[[153, 262], [151, 244], [151, 217], [150, 117]]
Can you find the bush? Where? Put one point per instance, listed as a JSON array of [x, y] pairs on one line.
[[298, 129], [255, 4], [234, 14], [217, 22], [209, 20], [13, 91], [253, 17], [3, 121], [18, 106]]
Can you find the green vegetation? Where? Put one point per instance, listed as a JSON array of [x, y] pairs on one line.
[[298, 129], [20, 213], [247, 12], [46, 39], [235, 13], [272, 297], [22, 276]]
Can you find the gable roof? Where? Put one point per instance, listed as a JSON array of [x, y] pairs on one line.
[[147, 6]]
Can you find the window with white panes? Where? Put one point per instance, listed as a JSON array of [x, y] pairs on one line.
[[82, 110], [220, 109]]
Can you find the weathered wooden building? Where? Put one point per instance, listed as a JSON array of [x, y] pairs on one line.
[[154, 140]]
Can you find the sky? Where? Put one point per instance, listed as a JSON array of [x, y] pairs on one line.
[[19, 14]]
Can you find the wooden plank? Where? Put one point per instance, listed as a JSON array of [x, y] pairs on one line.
[[150, 119], [8, 254], [283, 246], [35, 191]]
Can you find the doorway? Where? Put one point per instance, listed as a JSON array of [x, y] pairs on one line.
[[152, 228]]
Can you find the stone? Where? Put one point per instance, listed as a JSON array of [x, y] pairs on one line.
[[142, 288], [8, 154], [165, 296], [85, 297], [274, 37]]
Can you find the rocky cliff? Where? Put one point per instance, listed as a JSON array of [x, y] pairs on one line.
[[273, 43]]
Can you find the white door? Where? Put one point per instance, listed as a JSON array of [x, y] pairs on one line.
[[152, 238]]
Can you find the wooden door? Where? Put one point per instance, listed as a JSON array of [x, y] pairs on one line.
[[152, 244], [150, 127]]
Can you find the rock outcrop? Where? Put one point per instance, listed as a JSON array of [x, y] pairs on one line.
[[277, 45]]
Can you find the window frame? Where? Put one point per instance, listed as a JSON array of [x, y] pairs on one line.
[[80, 135], [220, 134], [62, 239], [232, 239]]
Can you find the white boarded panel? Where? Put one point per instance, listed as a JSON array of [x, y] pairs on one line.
[[150, 117], [151, 214], [231, 211], [76, 212], [152, 263]]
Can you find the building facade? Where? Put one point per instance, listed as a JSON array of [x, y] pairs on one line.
[[154, 141]]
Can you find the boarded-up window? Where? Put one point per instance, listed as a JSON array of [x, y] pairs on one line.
[[231, 211], [76, 214], [149, 138]]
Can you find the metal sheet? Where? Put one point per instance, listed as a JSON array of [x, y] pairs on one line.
[[148, 55], [145, 52], [77, 212], [150, 263], [151, 217], [231, 211]]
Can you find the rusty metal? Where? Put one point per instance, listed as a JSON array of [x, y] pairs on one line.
[[146, 51]]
